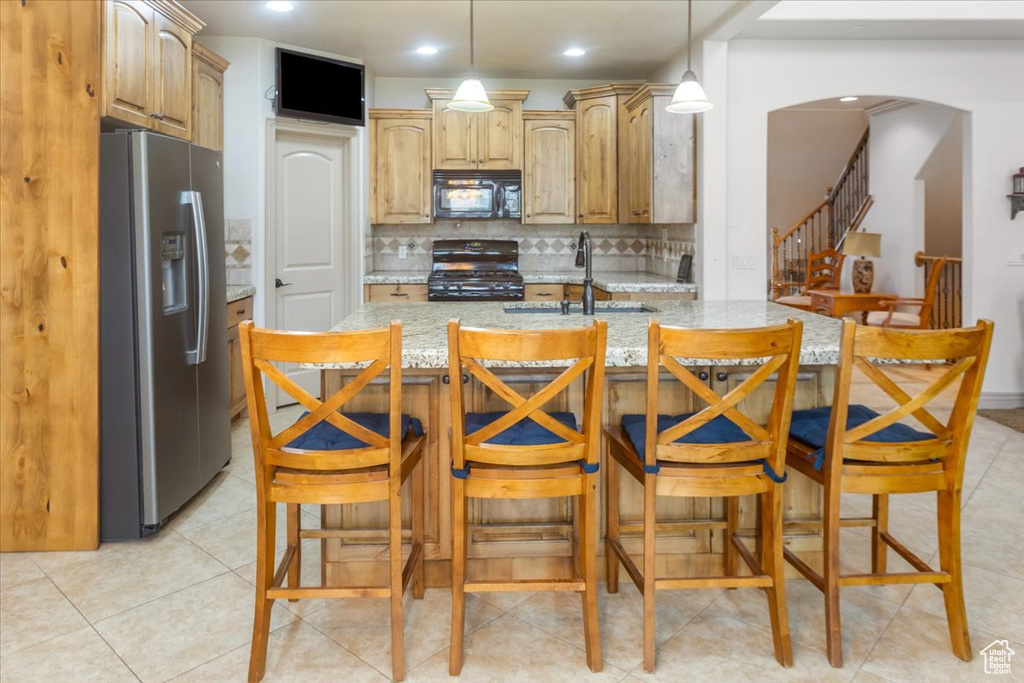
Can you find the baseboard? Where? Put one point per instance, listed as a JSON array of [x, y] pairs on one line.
[[994, 400]]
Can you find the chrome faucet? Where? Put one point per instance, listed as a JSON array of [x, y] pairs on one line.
[[584, 256]]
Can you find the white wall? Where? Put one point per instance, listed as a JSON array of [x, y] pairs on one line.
[[246, 112], [982, 78], [943, 177], [901, 143], [408, 93]]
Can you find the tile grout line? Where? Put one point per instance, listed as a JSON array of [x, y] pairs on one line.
[[91, 626]]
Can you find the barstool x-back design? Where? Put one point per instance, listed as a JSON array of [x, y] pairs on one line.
[[853, 449], [327, 457], [527, 452], [716, 452]]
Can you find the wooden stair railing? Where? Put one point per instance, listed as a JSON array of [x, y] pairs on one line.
[[824, 227], [946, 311]]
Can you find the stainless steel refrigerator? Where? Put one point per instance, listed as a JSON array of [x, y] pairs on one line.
[[164, 392]]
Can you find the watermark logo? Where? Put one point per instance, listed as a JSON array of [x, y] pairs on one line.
[[997, 657]]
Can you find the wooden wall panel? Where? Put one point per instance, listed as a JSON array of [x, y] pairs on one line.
[[49, 274]]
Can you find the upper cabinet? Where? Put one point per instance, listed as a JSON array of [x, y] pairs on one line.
[[597, 151], [662, 158], [480, 141], [549, 166], [400, 175], [208, 97], [148, 64]]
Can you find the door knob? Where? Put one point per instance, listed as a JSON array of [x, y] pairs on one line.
[[721, 377], [278, 284]]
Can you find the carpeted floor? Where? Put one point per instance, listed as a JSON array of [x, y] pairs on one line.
[[1009, 417]]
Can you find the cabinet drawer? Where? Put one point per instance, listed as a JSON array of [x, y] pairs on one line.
[[397, 293], [544, 292], [575, 293], [239, 310]]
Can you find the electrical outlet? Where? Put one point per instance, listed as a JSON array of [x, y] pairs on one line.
[[743, 262], [403, 251]]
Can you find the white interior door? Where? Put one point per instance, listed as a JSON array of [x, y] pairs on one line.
[[309, 241]]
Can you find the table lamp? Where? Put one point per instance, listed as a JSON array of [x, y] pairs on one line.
[[863, 244]]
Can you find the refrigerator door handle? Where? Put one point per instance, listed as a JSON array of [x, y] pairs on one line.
[[195, 199]]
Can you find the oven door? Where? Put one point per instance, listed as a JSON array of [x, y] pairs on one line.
[[469, 198]]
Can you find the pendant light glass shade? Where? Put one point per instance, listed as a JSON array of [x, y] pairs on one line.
[[471, 96], [689, 97]]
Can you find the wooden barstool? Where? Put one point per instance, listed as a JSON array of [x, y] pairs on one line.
[[852, 449], [526, 453], [718, 451], [327, 457]]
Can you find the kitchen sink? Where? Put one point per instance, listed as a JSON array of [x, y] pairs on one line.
[[555, 309]]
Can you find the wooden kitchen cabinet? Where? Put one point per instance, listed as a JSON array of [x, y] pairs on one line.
[[549, 166], [597, 151], [662, 155], [543, 292], [400, 168], [208, 97], [394, 293], [147, 71], [480, 141], [237, 312]]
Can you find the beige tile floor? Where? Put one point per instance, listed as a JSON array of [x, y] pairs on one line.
[[178, 606]]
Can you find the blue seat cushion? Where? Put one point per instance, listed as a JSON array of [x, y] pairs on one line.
[[719, 430], [326, 437], [811, 427], [526, 432]]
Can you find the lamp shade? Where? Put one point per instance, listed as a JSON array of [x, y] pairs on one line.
[[863, 244], [689, 97], [471, 97]]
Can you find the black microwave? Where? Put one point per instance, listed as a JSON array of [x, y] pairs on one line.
[[478, 194]]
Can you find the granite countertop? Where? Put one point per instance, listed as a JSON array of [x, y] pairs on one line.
[[609, 281], [425, 342], [236, 292]]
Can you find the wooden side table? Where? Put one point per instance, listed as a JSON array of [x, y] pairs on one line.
[[834, 303]]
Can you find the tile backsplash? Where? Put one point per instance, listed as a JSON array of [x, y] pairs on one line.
[[238, 250], [541, 247]]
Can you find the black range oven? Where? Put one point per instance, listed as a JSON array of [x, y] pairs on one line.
[[478, 194], [475, 270]]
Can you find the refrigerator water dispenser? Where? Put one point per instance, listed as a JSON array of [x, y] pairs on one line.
[[172, 262]]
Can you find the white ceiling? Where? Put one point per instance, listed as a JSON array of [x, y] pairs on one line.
[[624, 39]]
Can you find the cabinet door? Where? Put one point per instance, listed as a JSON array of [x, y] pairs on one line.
[[455, 137], [499, 136], [207, 105], [549, 175], [644, 169], [400, 149], [128, 61], [235, 376], [172, 79], [597, 161]]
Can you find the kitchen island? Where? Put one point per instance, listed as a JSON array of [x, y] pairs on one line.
[[533, 538]]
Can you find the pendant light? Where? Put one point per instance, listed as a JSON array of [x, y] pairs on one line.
[[471, 95], [689, 97]]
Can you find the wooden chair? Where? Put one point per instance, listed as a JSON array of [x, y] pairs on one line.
[[910, 321], [851, 449], [718, 451], [823, 271], [327, 457], [527, 453]]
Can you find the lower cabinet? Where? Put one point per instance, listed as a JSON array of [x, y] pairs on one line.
[[543, 292], [237, 312], [575, 293]]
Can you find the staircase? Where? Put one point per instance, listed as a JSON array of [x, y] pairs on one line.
[[846, 204]]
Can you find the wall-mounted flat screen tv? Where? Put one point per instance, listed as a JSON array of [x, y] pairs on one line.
[[312, 87]]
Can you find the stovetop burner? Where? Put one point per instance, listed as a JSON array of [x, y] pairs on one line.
[[478, 270]]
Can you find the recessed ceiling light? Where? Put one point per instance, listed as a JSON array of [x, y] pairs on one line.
[[280, 6], [426, 50], [848, 99], [574, 52]]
